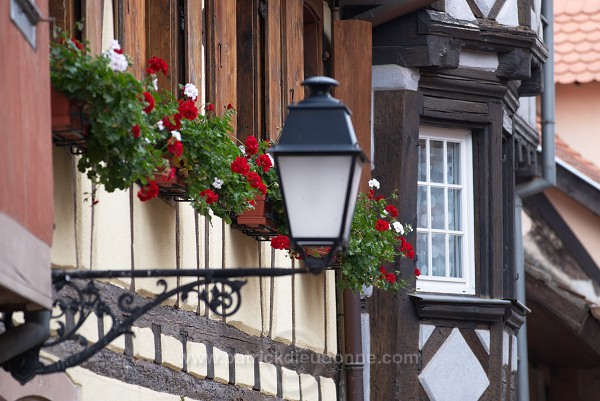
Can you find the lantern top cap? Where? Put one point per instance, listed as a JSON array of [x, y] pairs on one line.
[[320, 85]]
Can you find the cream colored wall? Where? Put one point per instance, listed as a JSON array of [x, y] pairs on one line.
[[578, 118]]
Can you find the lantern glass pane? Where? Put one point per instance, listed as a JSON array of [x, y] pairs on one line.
[[315, 192], [358, 164]]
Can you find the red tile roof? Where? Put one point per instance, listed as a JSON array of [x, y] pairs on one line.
[[576, 160], [576, 41]]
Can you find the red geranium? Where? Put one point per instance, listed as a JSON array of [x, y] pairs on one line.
[[136, 131], [251, 145], [280, 242], [156, 64], [175, 147], [229, 106], [380, 197], [78, 44], [390, 278], [209, 107], [417, 272], [264, 162], [382, 225], [240, 166], [262, 188], [172, 123], [391, 209], [254, 179], [210, 196], [187, 109], [150, 100], [371, 194], [406, 248], [148, 192]]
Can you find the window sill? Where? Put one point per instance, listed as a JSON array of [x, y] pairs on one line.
[[470, 308]]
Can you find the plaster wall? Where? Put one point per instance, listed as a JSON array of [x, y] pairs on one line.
[[578, 116]]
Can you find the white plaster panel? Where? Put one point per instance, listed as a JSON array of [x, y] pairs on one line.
[[221, 365], [425, 331], [505, 348], [310, 388], [309, 294], [83, 210], [444, 376], [95, 387], [62, 252], [111, 233], [89, 328], [527, 110], [366, 351], [191, 248], [509, 14], [171, 352], [282, 303], [143, 343], [154, 243], [331, 313], [485, 6], [484, 337], [290, 385], [242, 251], [477, 60], [514, 354], [244, 370], [197, 359], [265, 261], [394, 77], [459, 9], [118, 344], [328, 388], [268, 378]]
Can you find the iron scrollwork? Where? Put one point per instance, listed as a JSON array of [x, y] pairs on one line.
[[77, 297]]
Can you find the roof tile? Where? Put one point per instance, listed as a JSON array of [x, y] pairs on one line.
[[577, 40], [576, 160]]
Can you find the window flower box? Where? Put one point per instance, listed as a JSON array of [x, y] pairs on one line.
[[69, 126], [260, 222]]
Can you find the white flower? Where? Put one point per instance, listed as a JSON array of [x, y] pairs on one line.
[[373, 183], [218, 183], [155, 83], [190, 91], [398, 227], [118, 62], [176, 134], [114, 45], [160, 125], [243, 149], [384, 214]]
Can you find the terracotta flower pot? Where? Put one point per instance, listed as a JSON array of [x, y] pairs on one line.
[[69, 127], [257, 222], [171, 186]]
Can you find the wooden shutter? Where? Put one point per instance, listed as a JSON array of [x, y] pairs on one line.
[[275, 104], [194, 67], [293, 48], [162, 32], [352, 51], [250, 69], [132, 21], [221, 53]]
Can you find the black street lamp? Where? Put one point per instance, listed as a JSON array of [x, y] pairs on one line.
[[320, 164]]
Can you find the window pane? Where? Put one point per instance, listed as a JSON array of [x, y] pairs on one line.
[[422, 255], [422, 160], [438, 208], [455, 249], [436, 150], [438, 255], [454, 209], [453, 154], [422, 220]]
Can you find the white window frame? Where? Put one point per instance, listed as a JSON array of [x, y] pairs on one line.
[[466, 284]]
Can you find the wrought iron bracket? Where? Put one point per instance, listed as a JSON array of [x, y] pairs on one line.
[[77, 297]]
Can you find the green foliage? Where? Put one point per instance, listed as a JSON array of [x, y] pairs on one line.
[[112, 104], [369, 248]]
